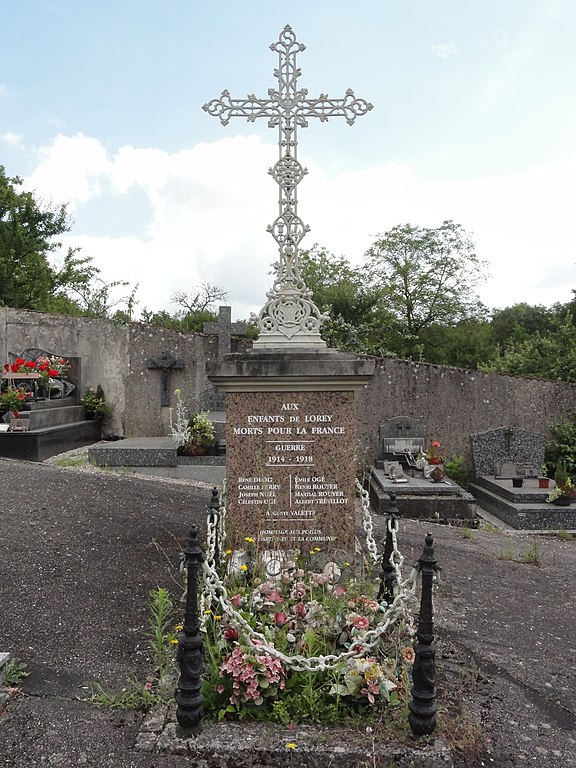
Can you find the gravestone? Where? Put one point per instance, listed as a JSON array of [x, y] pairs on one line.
[[507, 452], [224, 329], [402, 440], [290, 421]]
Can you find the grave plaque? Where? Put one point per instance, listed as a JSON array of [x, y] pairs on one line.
[[290, 475]]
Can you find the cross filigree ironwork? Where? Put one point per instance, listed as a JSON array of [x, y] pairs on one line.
[[289, 315]]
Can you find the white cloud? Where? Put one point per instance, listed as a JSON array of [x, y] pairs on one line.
[[210, 206], [4, 91], [70, 169], [11, 138], [444, 50]]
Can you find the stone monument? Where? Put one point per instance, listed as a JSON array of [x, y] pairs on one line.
[[290, 401]]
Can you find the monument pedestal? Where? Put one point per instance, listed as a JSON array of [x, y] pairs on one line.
[[291, 439]]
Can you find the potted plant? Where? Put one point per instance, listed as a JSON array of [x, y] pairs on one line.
[[12, 400], [192, 434], [562, 495], [201, 432], [564, 490], [95, 405], [543, 480]]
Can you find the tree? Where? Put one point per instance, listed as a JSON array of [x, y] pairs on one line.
[[427, 277], [29, 233], [27, 236], [516, 323], [196, 308], [545, 355], [353, 306]]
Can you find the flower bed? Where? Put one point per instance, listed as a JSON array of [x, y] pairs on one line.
[[309, 645]]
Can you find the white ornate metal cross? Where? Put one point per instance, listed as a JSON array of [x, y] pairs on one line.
[[289, 316]]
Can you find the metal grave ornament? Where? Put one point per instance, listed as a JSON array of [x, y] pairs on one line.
[[289, 316]]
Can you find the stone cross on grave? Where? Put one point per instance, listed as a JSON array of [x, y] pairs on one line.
[[224, 328], [289, 316], [166, 364]]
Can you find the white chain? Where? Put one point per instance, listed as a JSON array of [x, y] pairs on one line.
[[215, 593], [367, 522]]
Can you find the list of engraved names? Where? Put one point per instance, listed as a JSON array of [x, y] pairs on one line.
[[291, 467]]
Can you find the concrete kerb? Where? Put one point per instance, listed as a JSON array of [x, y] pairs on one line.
[[245, 745]]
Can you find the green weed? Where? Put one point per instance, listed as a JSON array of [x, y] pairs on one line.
[[69, 462], [133, 695], [532, 555], [507, 552], [15, 672]]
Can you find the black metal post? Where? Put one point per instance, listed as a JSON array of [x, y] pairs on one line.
[[189, 699], [422, 717], [388, 574]]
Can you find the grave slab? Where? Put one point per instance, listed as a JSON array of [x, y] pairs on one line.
[[135, 452]]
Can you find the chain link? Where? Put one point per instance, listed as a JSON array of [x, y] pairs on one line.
[[215, 593]]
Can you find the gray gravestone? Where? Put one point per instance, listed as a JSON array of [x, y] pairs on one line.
[[224, 328], [507, 452]]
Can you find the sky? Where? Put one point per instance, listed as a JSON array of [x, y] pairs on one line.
[[474, 120]]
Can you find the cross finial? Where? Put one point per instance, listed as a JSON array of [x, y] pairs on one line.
[[224, 328], [166, 363], [289, 316]]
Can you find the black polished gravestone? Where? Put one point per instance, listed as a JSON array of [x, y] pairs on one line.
[[401, 439]]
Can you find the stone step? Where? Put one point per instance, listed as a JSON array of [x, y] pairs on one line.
[[49, 441], [52, 417], [422, 499], [42, 405], [530, 516], [135, 452], [147, 452]]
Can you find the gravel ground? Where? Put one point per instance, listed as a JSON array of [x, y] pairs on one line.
[[82, 547]]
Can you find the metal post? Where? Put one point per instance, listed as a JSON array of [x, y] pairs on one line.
[[388, 574], [189, 699], [422, 717]]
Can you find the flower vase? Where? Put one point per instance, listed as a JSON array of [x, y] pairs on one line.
[[543, 482], [562, 501], [434, 472]]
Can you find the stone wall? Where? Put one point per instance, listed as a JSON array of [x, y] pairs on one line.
[[452, 402], [115, 356], [455, 403]]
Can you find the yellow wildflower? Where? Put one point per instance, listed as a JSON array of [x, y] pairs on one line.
[[174, 641], [244, 567], [291, 745], [250, 540], [179, 627]]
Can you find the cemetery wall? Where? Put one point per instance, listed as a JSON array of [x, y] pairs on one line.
[[452, 402], [115, 356], [455, 403]]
